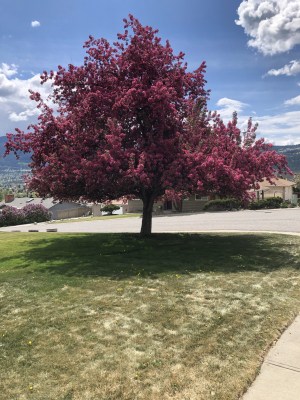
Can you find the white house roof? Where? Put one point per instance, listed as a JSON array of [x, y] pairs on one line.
[[20, 202], [278, 182]]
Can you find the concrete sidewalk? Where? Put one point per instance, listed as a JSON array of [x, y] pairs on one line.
[[279, 378]]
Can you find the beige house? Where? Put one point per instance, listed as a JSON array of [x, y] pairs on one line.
[[96, 208], [280, 188], [193, 203]]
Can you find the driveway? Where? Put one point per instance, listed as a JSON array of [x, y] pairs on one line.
[[279, 220]]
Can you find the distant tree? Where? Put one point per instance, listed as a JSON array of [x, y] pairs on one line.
[[133, 121], [110, 208]]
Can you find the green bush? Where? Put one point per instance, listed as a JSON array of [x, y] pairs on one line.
[[222, 205], [287, 204], [271, 202], [110, 208]]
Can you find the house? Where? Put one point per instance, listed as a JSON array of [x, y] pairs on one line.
[[58, 209], [193, 203], [279, 188]]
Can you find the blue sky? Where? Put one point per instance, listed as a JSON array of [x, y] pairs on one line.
[[252, 51]]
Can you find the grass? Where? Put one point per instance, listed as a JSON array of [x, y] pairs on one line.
[[91, 218], [119, 317]]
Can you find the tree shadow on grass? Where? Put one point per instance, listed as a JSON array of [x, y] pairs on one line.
[[120, 256]]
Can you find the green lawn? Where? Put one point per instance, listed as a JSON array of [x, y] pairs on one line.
[[119, 317], [92, 218]]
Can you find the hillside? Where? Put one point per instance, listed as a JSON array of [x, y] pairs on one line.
[[11, 161], [292, 154]]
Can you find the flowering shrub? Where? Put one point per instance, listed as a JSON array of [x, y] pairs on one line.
[[35, 213], [28, 214], [11, 216]]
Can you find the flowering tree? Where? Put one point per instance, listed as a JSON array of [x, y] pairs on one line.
[[132, 121]]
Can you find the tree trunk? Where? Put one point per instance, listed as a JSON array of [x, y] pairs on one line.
[[147, 216]]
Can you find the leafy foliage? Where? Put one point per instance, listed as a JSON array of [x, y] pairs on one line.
[[110, 208], [222, 205], [272, 202], [132, 121], [36, 213], [10, 216]]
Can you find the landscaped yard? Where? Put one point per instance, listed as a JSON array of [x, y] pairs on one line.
[[91, 218], [116, 316]]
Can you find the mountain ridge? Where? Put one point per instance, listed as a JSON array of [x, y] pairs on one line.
[[292, 153], [11, 161]]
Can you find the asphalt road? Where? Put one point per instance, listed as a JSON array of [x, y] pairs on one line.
[[280, 220]]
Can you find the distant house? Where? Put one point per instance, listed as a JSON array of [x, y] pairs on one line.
[[193, 203], [280, 188], [96, 208], [58, 210]]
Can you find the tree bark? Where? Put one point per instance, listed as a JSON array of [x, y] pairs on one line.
[[147, 216]]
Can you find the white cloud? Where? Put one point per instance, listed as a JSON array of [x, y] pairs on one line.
[[16, 105], [281, 129], [8, 70], [24, 115], [35, 24], [295, 101], [273, 25], [228, 106], [292, 68]]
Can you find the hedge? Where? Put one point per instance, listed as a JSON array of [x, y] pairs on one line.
[[271, 202], [222, 205], [10, 216]]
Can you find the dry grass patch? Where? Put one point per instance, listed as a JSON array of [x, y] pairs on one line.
[[114, 316], [92, 218]]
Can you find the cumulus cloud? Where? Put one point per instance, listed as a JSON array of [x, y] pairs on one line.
[[228, 106], [292, 68], [295, 101], [281, 129], [273, 25], [16, 105], [35, 24], [8, 70]]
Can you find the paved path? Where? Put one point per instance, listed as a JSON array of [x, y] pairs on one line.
[[279, 378], [282, 220]]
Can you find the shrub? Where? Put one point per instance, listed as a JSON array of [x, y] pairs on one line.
[[11, 216], [287, 204], [110, 208], [35, 213], [222, 205], [31, 213], [271, 202]]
